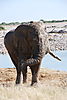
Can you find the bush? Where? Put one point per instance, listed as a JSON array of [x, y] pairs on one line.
[[2, 28], [11, 23], [53, 21]]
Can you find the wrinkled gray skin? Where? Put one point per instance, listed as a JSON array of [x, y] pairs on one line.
[[27, 45]]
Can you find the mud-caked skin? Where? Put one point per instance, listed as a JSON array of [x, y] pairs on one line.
[[27, 45]]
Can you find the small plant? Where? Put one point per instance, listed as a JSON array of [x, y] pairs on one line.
[[2, 28]]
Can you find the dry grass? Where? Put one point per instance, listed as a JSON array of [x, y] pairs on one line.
[[52, 85], [40, 92]]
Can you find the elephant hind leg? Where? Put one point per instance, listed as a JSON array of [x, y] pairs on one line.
[[15, 61], [18, 78], [34, 70]]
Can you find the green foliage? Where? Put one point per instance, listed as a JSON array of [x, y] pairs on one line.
[[16, 23], [3, 23], [2, 28], [53, 21], [11, 23]]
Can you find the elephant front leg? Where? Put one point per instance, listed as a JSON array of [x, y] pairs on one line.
[[24, 72], [34, 70]]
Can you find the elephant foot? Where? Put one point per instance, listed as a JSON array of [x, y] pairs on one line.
[[34, 83]]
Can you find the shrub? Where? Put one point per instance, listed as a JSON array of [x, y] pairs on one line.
[[2, 28]]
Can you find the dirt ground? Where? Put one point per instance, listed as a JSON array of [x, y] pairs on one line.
[[45, 76]]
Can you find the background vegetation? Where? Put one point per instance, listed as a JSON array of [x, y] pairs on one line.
[[15, 23], [2, 28], [12, 23], [53, 21]]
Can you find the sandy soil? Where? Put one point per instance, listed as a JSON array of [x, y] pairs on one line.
[[46, 77]]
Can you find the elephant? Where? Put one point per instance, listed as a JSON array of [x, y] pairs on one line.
[[26, 45]]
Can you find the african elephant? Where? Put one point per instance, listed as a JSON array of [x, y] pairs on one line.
[[26, 45]]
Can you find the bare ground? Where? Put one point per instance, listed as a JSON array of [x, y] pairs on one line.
[[46, 77]]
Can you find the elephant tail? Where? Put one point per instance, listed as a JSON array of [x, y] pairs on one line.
[[53, 55]]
